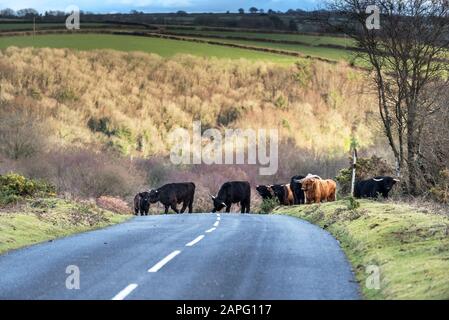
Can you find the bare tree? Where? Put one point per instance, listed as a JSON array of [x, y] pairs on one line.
[[22, 134], [408, 60]]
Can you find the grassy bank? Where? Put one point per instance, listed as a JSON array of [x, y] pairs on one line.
[[38, 220], [411, 246]]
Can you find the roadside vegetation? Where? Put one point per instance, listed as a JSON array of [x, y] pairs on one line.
[[31, 212], [409, 244]]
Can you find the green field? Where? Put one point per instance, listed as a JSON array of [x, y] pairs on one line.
[[40, 26], [320, 52], [162, 47], [306, 39]]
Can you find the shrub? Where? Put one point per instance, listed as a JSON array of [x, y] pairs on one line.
[[268, 205], [13, 187], [353, 203], [441, 191], [114, 204], [366, 168]]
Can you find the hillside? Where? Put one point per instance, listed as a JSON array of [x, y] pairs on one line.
[[128, 102]]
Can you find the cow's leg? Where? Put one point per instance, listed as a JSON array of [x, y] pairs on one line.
[[184, 207], [248, 206], [228, 209], [166, 209], [175, 209], [243, 207], [191, 206]]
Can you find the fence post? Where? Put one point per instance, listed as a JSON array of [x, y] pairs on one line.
[[354, 163]]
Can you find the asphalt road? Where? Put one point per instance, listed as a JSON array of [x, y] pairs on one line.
[[202, 256]]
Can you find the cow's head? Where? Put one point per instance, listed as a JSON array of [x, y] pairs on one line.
[[308, 184], [154, 196], [218, 204], [145, 198], [265, 191], [278, 191], [386, 182]]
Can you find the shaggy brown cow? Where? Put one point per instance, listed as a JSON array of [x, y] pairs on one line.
[[318, 190]]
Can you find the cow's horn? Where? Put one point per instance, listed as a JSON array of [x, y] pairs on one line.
[[213, 197], [223, 204], [378, 180], [397, 180]]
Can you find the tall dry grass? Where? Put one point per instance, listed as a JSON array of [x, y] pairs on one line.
[[128, 102]]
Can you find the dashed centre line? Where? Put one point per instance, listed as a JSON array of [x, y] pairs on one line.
[[164, 261], [194, 242], [130, 288], [125, 292]]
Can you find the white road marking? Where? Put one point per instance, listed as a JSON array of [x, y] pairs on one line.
[[164, 261], [194, 242], [211, 230], [218, 219], [125, 292], [218, 214], [216, 223]]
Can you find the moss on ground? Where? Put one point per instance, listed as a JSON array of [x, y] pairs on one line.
[[38, 220], [410, 245]]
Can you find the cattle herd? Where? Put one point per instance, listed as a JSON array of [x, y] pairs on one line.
[[301, 190]]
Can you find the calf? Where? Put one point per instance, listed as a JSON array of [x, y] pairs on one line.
[[233, 192], [142, 203], [374, 187], [173, 194], [284, 194]]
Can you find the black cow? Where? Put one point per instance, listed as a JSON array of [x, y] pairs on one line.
[[173, 194], [296, 187], [374, 187], [233, 192], [265, 192], [142, 203]]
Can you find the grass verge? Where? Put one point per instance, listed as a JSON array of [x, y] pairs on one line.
[[409, 245], [39, 220]]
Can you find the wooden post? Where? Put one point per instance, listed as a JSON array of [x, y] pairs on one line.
[[34, 26], [354, 163]]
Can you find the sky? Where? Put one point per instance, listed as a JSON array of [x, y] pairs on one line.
[[106, 6]]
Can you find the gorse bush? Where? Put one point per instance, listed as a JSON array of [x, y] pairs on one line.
[[268, 205], [13, 187]]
